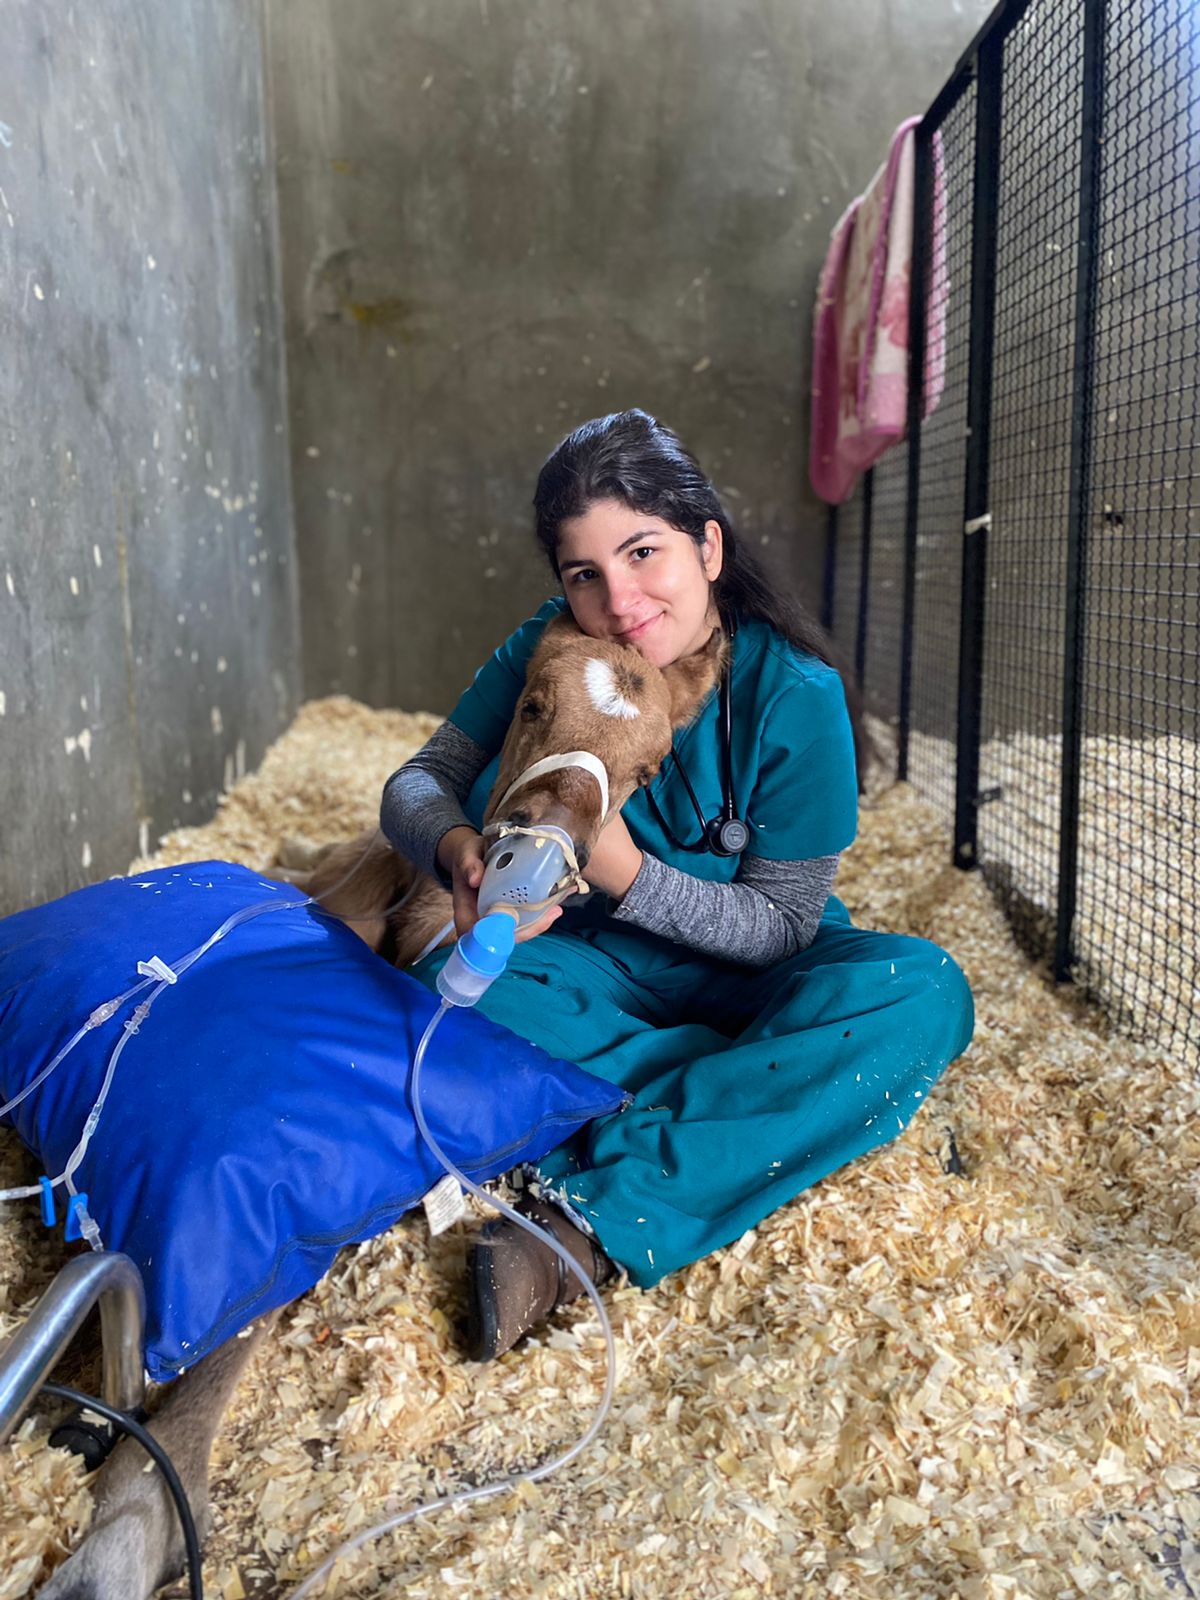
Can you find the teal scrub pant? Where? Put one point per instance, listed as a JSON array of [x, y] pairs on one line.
[[748, 1085]]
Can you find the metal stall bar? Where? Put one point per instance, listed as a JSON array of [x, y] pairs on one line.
[[917, 304], [976, 513], [991, 34], [1079, 493]]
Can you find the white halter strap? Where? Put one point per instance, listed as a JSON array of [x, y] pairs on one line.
[[572, 758]]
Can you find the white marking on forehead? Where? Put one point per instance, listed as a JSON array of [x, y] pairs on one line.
[[602, 687]]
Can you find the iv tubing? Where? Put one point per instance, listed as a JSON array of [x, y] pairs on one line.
[[104, 1013], [101, 1014], [93, 1117], [314, 1579], [140, 1014]]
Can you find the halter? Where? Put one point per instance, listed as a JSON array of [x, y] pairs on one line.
[[572, 880], [572, 758]]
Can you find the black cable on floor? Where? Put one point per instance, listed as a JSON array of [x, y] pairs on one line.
[[131, 1426]]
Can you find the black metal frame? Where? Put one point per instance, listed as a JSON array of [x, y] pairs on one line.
[[976, 512], [1106, 186], [1087, 252]]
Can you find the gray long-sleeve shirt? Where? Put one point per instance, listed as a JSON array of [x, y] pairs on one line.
[[770, 911]]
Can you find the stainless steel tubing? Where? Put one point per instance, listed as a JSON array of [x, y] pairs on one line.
[[28, 1358]]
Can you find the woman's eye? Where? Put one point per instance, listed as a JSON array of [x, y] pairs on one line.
[[586, 574]]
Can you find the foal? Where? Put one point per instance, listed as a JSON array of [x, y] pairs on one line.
[[580, 694]]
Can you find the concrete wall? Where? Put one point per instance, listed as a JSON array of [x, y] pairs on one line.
[[500, 219], [148, 607]]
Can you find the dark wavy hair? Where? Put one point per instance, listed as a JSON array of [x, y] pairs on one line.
[[631, 457]]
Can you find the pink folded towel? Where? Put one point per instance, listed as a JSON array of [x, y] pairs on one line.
[[860, 344]]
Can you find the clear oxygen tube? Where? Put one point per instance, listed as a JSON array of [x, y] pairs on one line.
[[478, 958]]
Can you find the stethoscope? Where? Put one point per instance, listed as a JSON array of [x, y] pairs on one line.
[[726, 834]]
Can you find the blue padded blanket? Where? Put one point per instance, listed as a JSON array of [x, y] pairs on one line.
[[259, 1118]]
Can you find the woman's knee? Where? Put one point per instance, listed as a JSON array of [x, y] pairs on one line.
[[940, 995]]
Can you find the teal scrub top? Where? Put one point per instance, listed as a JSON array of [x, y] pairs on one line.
[[794, 776]]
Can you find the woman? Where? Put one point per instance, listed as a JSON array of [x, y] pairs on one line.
[[764, 1039]]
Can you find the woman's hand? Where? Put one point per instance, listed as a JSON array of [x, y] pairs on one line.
[[460, 853], [615, 860], [532, 929]]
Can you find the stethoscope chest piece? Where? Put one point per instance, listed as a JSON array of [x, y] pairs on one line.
[[727, 836]]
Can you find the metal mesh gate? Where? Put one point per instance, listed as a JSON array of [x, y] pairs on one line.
[[1019, 583]]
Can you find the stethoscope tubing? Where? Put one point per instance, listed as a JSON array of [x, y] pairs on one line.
[[710, 830]]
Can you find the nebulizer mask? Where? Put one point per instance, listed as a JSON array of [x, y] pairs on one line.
[[528, 870]]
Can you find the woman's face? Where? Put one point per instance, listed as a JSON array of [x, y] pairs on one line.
[[635, 578]]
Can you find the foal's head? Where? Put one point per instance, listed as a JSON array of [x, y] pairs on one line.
[[591, 694]]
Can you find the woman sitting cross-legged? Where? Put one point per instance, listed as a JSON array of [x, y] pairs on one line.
[[765, 1040]]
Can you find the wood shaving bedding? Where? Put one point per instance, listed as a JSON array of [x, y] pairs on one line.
[[1137, 922], [907, 1383]]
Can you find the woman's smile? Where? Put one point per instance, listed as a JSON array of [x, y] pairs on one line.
[[638, 631]]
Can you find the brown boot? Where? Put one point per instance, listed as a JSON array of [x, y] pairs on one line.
[[516, 1281]]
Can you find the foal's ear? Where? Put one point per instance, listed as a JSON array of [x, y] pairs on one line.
[[559, 628], [690, 680], [557, 633], [554, 636]]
